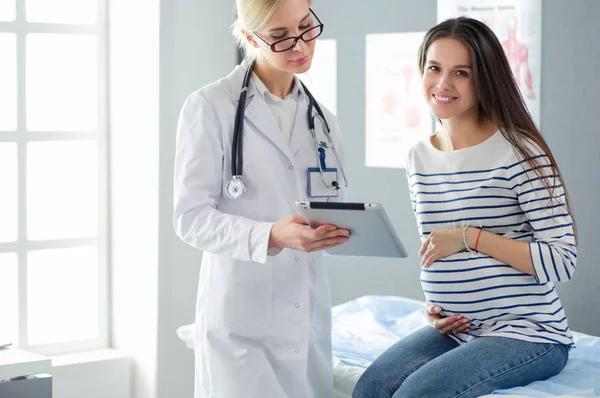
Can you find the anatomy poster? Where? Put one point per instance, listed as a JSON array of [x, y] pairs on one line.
[[397, 115], [518, 26], [321, 78]]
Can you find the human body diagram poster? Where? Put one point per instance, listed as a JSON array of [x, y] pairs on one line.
[[397, 115], [518, 26]]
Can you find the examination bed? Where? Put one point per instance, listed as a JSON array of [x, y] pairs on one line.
[[363, 328]]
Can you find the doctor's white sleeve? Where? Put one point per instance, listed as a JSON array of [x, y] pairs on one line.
[[198, 185], [259, 241]]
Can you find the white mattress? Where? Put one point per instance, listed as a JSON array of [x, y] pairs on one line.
[[365, 327]]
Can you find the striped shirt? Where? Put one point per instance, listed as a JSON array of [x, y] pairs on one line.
[[490, 186]]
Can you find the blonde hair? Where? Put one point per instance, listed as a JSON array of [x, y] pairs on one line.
[[251, 16]]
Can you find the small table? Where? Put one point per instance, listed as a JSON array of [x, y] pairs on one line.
[[24, 374]]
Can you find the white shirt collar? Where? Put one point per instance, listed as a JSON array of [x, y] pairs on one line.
[[264, 91]]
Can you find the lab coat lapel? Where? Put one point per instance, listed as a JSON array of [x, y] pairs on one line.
[[259, 114]]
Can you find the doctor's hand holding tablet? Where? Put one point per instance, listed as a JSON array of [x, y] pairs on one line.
[[292, 233]]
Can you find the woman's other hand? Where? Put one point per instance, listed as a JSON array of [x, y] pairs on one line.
[[451, 324]]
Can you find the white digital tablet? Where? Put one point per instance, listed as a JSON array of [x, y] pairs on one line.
[[371, 232]]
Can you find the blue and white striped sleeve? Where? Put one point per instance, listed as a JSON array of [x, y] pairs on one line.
[[413, 198], [553, 250]]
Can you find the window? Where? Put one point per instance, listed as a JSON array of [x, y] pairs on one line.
[[53, 175]]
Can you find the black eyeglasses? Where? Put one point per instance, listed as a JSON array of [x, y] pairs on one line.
[[290, 42]]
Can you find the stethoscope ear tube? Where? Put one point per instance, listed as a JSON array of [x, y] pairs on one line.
[[239, 121], [313, 103], [235, 139], [237, 160]]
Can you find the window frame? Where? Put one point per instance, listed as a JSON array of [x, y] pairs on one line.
[[21, 136]]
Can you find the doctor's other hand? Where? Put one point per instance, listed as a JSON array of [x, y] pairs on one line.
[[451, 324], [440, 244], [293, 233]]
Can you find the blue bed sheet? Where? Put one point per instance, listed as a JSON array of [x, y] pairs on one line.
[[365, 327]]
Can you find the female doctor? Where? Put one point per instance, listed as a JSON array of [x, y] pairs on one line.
[[248, 146]]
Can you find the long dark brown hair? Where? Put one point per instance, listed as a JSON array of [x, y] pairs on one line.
[[497, 93]]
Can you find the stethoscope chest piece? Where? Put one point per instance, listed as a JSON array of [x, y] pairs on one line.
[[235, 188]]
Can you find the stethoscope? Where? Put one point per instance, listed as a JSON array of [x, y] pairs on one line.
[[236, 188]]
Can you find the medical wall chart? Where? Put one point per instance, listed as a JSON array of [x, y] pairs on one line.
[[321, 78], [397, 115], [518, 25]]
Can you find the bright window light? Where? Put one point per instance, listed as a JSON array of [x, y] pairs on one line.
[[7, 10], [62, 92], [8, 80], [9, 298], [62, 295], [62, 190], [8, 189], [62, 11], [54, 211]]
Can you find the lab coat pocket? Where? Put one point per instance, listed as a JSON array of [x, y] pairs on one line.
[[321, 312], [241, 295]]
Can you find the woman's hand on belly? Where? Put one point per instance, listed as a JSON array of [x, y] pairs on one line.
[[441, 244], [451, 324]]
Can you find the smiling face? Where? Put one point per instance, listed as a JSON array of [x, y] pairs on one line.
[[291, 18], [448, 82]]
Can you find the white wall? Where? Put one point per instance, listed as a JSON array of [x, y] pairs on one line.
[[134, 140], [196, 49]]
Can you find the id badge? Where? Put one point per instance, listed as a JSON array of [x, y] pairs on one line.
[[315, 187]]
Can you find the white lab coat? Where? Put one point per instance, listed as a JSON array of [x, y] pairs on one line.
[[263, 330]]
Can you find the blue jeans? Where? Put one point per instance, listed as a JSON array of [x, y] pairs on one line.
[[430, 364]]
